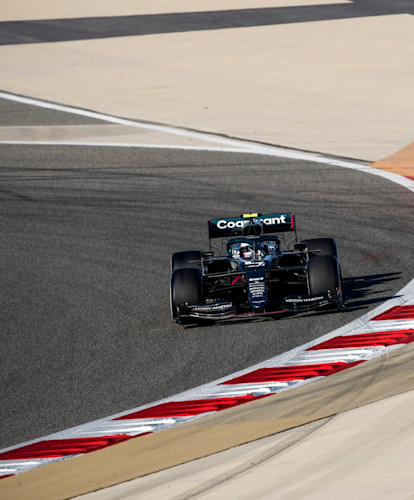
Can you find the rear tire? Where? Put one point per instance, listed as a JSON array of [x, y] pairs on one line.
[[327, 246], [186, 288], [185, 260]]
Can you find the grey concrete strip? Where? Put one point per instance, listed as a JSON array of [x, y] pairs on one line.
[[97, 27], [16, 10]]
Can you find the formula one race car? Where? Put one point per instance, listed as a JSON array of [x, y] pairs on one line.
[[248, 274]]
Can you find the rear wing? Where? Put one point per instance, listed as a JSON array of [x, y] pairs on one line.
[[274, 223]]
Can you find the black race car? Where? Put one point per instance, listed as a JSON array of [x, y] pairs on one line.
[[247, 273]]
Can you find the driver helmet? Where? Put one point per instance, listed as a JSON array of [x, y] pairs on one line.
[[246, 251]]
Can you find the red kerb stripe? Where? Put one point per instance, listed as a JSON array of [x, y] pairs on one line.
[[188, 408], [56, 448], [396, 312], [367, 340], [286, 373]]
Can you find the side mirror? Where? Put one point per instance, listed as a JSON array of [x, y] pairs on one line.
[[300, 246]]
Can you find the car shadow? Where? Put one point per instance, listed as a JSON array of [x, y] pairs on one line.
[[363, 291]]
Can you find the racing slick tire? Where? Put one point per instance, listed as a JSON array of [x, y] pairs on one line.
[[327, 246], [324, 275], [186, 288], [184, 260]]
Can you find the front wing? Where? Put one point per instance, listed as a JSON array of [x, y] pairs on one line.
[[221, 310]]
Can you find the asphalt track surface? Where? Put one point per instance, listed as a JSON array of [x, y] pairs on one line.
[[87, 234]]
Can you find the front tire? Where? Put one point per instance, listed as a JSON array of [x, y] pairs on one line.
[[186, 288], [324, 275]]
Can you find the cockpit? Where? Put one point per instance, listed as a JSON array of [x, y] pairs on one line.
[[253, 249]]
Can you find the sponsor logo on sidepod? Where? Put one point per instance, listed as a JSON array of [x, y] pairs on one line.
[[224, 224]]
